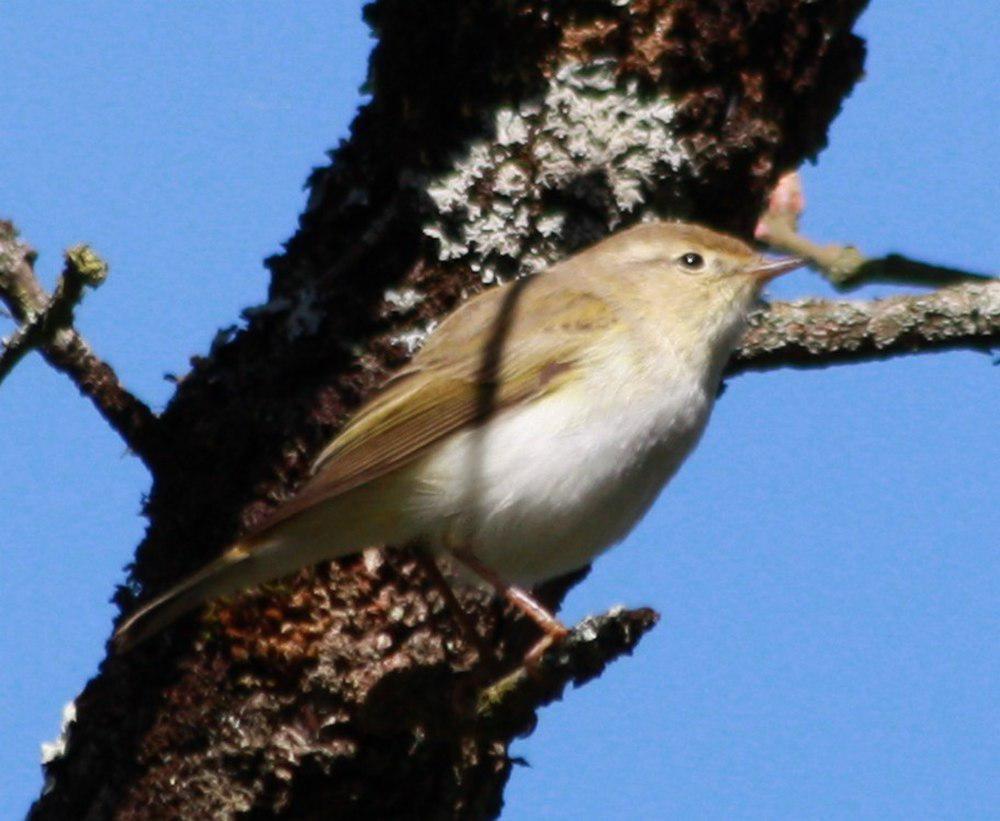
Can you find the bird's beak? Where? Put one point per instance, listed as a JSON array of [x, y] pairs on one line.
[[765, 270]]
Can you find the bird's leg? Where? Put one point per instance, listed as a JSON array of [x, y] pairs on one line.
[[554, 630], [465, 625]]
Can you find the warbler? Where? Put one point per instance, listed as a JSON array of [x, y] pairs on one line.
[[531, 432]]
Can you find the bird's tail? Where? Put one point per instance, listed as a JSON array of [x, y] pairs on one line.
[[238, 567], [324, 531]]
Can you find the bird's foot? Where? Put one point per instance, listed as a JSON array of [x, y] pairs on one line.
[[533, 658]]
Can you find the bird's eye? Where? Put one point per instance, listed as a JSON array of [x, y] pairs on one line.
[[691, 261]]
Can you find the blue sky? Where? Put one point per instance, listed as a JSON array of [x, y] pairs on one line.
[[825, 564]]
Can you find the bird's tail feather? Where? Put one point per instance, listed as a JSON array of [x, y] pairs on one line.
[[238, 567], [323, 532]]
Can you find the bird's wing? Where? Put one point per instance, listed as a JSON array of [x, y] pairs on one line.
[[508, 346]]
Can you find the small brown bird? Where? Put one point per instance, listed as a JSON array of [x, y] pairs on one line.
[[532, 431]]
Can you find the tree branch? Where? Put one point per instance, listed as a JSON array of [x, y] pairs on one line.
[[42, 318], [592, 644], [816, 333], [46, 324], [965, 313], [846, 268]]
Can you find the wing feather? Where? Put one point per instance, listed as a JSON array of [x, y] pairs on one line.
[[508, 346]]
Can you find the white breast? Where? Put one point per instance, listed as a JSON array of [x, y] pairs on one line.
[[542, 489]]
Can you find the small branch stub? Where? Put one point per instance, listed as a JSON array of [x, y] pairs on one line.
[[86, 265], [591, 645]]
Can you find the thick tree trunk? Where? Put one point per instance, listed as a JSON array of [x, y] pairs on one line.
[[501, 135]]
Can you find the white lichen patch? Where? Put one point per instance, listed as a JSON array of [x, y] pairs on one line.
[[403, 300], [51, 750], [979, 303], [413, 339], [591, 137], [373, 559]]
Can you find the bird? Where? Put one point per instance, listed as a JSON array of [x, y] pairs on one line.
[[531, 432]]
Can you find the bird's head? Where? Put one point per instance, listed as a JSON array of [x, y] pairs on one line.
[[704, 280]]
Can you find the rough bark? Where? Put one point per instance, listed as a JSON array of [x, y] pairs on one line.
[[500, 136]]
